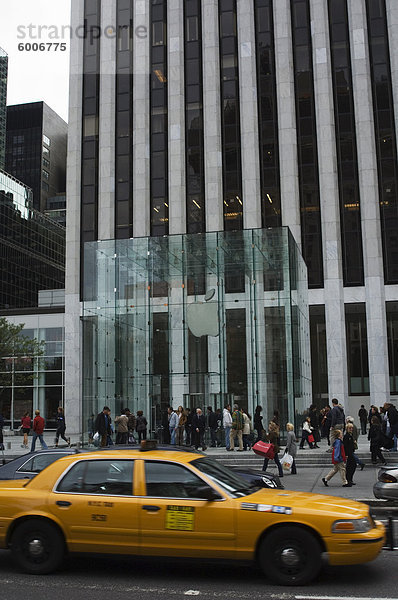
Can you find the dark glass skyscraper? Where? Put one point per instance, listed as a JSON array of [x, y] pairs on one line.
[[3, 103], [36, 149]]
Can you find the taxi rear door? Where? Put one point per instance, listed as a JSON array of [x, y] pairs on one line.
[[94, 501], [174, 521]]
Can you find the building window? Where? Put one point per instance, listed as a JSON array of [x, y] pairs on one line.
[[392, 341], [385, 134], [230, 117], [46, 174], [124, 129], [357, 349], [267, 115], [319, 367], [236, 355], [158, 120], [195, 197], [347, 160], [90, 118], [311, 234], [46, 163], [46, 140]]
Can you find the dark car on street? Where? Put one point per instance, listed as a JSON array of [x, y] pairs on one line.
[[30, 464]]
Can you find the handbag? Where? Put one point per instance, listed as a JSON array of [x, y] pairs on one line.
[[96, 438], [264, 449], [386, 441], [287, 461], [311, 438]]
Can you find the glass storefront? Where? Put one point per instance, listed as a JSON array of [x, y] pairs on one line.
[[29, 383], [196, 320]]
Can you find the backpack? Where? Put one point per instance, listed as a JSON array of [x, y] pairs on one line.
[[239, 420]]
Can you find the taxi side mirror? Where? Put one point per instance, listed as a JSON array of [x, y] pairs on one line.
[[205, 492]]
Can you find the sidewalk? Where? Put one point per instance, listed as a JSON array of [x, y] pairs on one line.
[[309, 473]]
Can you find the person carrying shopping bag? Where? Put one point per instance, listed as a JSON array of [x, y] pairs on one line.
[[291, 446]]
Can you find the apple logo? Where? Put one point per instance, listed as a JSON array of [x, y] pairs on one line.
[[202, 317]]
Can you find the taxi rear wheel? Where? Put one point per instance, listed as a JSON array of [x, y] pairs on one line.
[[290, 556], [37, 547]]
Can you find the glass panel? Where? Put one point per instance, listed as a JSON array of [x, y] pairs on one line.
[[164, 323]]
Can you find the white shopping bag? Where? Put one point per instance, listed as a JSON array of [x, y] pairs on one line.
[[287, 461]]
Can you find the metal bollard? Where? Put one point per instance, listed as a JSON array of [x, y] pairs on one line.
[[390, 533]]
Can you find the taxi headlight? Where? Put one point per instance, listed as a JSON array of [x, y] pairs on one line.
[[352, 525]]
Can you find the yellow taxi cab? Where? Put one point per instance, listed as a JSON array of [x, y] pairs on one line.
[[178, 504]]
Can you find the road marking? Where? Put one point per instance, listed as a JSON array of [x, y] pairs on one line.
[[339, 598], [192, 593]]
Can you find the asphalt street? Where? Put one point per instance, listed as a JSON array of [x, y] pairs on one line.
[[138, 579]]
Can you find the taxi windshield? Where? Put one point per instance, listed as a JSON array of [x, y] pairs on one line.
[[230, 482]]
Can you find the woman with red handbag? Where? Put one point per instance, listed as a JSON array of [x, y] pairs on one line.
[[307, 435], [273, 437]]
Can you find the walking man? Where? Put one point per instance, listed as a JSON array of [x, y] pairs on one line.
[[338, 420], [237, 429], [38, 428], [227, 424], [363, 418]]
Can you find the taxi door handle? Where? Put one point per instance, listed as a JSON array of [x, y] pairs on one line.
[[150, 507], [63, 503]]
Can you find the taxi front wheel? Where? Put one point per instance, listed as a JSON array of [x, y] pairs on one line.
[[290, 556], [37, 547]]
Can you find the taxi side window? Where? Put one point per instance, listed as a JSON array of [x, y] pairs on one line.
[[38, 463], [168, 480], [109, 477]]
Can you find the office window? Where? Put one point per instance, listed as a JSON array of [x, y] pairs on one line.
[[194, 143], [311, 233], [124, 126], [267, 114], [357, 349], [347, 160], [158, 120], [385, 134], [230, 117], [392, 341], [319, 367]]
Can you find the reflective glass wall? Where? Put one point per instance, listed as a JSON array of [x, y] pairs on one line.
[[29, 383], [152, 336]]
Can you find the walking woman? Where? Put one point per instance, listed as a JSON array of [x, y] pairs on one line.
[[26, 424], [273, 437], [61, 427], [374, 436], [258, 422], [141, 426], [182, 419], [349, 448], [307, 432], [291, 446]]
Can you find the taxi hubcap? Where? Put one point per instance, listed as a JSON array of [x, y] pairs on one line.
[[290, 557], [36, 547]]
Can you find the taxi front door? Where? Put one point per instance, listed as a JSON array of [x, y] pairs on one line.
[[172, 525]]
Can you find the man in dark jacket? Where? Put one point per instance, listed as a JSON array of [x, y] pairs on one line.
[[392, 414], [338, 420], [103, 425], [212, 423], [363, 417], [198, 429], [349, 448], [1, 431]]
